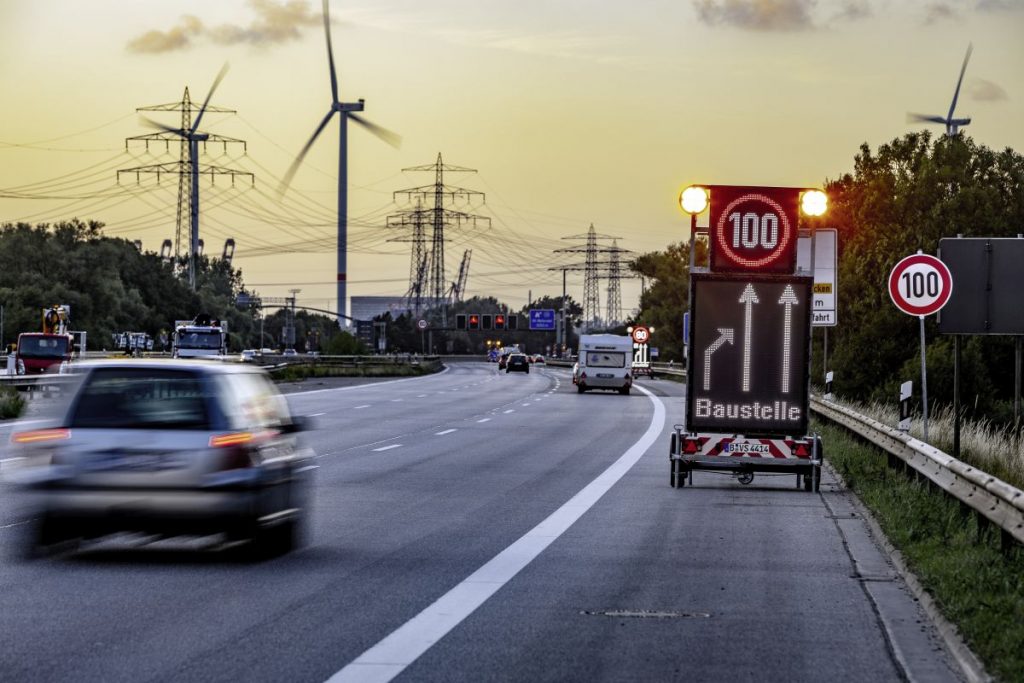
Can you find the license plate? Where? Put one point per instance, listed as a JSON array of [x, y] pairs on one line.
[[605, 375], [147, 462], [744, 447]]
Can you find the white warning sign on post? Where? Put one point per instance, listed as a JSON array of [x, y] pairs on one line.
[[825, 278]]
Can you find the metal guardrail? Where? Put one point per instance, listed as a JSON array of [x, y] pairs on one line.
[[992, 498]]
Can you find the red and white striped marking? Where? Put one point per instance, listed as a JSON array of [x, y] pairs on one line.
[[717, 446]]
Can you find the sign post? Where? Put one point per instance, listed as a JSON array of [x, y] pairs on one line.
[[920, 285]]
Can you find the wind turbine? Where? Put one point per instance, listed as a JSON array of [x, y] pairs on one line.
[[345, 111], [193, 137], [952, 125]]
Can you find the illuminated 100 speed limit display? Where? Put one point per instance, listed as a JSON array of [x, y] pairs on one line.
[[748, 358]]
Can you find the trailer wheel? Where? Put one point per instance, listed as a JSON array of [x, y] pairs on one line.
[[745, 477]]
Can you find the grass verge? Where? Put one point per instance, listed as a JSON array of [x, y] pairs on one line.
[[976, 585], [293, 373], [11, 403]]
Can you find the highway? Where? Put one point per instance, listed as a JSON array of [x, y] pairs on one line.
[[475, 526]]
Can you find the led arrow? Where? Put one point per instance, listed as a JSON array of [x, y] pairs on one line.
[[789, 300], [748, 298], [725, 336]]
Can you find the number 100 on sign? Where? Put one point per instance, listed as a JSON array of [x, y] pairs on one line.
[[920, 284]]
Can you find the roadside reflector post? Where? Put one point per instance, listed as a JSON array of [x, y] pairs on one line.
[[906, 391], [828, 384]]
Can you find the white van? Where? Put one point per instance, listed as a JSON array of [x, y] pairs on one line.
[[605, 362]]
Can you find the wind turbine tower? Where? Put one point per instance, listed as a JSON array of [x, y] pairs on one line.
[[345, 111]]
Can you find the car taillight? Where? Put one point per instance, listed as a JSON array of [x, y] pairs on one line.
[[237, 449], [41, 436]]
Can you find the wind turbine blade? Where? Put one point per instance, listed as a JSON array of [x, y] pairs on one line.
[[146, 121], [302, 155], [921, 118], [390, 137], [956, 95], [330, 52], [202, 110]]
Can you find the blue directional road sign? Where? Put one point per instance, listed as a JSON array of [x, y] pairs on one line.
[[542, 319]]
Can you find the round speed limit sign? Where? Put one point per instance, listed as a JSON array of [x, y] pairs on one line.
[[920, 285], [641, 335]]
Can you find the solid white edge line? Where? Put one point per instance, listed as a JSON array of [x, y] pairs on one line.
[[392, 655]]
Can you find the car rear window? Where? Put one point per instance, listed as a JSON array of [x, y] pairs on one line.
[[141, 398]]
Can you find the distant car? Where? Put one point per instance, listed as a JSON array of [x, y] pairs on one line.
[[248, 355], [517, 362], [289, 352], [168, 448], [537, 359], [502, 361]]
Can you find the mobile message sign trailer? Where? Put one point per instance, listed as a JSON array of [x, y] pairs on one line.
[[747, 397]]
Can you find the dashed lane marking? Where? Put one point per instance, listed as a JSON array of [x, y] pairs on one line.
[[392, 655], [486, 419], [361, 407], [387, 448], [446, 431]]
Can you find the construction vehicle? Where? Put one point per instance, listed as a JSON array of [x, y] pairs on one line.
[[52, 349], [204, 337]]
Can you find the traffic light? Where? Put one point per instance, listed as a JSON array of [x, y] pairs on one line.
[[474, 321], [513, 322], [486, 321], [499, 321], [460, 321]]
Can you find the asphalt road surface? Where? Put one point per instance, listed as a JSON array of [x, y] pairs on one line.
[[474, 526]]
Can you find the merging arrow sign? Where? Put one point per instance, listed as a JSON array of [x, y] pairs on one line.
[[789, 300], [748, 299], [726, 335]]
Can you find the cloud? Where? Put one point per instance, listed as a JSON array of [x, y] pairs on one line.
[[178, 38], [999, 5], [986, 91], [938, 11], [757, 15], [852, 10], [275, 22]]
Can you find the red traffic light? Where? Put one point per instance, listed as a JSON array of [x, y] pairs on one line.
[[474, 321], [499, 322]]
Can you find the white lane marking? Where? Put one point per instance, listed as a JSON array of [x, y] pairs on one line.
[[367, 405], [422, 396], [397, 400], [447, 431], [510, 410], [486, 419], [387, 448], [316, 414], [368, 385], [10, 459], [8, 526], [390, 657], [524, 405]]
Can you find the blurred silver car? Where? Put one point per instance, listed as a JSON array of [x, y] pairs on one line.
[[167, 448]]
